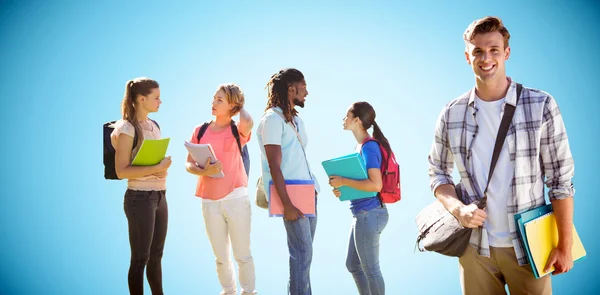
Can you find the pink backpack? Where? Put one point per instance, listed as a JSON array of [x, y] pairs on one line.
[[390, 175]]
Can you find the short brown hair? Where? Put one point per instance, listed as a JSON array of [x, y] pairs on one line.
[[484, 25]]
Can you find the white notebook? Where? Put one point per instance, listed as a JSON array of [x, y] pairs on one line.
[[200, 153]]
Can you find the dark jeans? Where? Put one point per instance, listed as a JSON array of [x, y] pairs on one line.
[[147, 216]]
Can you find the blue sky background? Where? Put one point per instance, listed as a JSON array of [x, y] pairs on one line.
[[63, 73]]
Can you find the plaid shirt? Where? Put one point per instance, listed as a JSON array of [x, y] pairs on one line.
[[538, 147]]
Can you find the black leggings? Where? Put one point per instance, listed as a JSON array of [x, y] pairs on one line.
[[147, 216]]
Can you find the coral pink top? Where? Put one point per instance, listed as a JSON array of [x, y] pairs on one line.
[[226, 149]]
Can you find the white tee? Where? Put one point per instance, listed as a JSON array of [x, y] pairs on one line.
[[488, 117]]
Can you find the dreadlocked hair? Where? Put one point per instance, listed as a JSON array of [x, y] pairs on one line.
[[278, 91]]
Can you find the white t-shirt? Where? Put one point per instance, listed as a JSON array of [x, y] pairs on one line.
[[488, 117], [146, 183], [273, 130]]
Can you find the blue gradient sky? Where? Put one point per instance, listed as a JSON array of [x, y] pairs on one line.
[[65, 64]]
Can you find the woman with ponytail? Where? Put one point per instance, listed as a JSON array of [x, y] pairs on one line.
[[370, 214], [145, 201]]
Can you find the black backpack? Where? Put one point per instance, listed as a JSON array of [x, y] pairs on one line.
[[236, 134], [109, 150]]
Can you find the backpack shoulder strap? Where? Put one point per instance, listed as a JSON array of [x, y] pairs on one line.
[[202, 131], [135, 139], [383, 163], [236, 134], [367, 140], [384, 160], [155, 123]]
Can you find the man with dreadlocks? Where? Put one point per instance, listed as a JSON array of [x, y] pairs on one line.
[[282, 138]]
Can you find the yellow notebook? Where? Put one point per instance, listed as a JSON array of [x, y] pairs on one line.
[[542, 236]]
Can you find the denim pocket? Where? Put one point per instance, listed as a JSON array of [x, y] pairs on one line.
[[382, 220]]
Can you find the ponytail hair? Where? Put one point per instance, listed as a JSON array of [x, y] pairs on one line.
[[377, 134], [133, 88], [365, 112]]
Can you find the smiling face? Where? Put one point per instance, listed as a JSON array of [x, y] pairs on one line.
[[486, 53]]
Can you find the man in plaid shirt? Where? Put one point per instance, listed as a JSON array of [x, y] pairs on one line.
[[536, 149]]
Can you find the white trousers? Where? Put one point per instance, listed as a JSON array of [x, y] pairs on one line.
[[228, 227]]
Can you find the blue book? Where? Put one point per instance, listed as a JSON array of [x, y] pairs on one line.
[[520, 220], [353, 167], [541, 224]]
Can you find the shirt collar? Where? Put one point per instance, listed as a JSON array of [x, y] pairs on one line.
[[511, 94]]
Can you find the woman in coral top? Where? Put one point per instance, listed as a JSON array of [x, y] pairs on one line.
[[225, 201]]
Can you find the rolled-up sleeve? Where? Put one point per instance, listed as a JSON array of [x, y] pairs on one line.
[[555, 153], [441, 160]]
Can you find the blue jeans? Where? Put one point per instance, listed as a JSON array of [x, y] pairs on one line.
[[363, 250], [300, 236]]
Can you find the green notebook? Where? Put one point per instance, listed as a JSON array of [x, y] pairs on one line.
[[151, 152]]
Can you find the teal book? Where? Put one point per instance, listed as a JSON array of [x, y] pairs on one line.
[[539, 233], [351, 166], [520, 220]]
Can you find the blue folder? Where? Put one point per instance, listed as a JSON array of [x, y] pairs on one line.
[[351, 166], [523, 218], [520, 220]]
